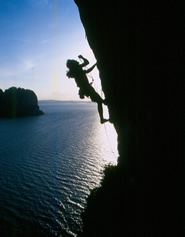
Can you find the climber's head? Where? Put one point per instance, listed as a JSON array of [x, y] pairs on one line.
[[73, 66]]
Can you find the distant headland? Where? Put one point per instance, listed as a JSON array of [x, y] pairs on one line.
[[18, 102]]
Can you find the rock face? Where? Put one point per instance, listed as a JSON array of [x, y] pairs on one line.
[[18, 102], [138, 50]]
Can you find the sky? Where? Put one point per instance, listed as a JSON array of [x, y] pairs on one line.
[[36, 39]]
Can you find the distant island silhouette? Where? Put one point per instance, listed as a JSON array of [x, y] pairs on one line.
[[18, 102]]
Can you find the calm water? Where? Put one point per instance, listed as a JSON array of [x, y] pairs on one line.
[[48, 165]]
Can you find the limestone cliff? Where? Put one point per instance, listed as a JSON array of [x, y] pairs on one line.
[[138, 48], [18, 102]]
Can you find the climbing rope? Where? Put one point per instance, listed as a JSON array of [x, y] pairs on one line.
[[93, 82], [109, 142], [105, 126]]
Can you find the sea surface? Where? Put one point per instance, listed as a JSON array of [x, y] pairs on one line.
[[48, 165]]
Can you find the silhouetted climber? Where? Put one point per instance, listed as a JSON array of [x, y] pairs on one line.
[[76, 71]]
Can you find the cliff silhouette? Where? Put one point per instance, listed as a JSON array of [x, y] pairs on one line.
[[139, 51], [18, 102]]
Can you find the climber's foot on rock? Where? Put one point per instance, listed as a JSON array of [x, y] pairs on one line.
[[105, 102], [104, 121]]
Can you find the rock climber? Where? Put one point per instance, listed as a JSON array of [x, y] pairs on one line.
[[77, 72]]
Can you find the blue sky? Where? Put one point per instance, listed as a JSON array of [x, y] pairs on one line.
[[36, 39]]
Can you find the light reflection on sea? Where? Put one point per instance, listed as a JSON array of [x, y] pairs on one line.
[[48, 165]]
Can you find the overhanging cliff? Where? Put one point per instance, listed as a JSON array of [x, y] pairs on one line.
[[138, 50]]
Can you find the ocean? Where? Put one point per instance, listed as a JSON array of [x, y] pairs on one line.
[[48, 166]]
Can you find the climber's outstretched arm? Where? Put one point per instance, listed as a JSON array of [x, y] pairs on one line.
[[90, 69], [85, 63]]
